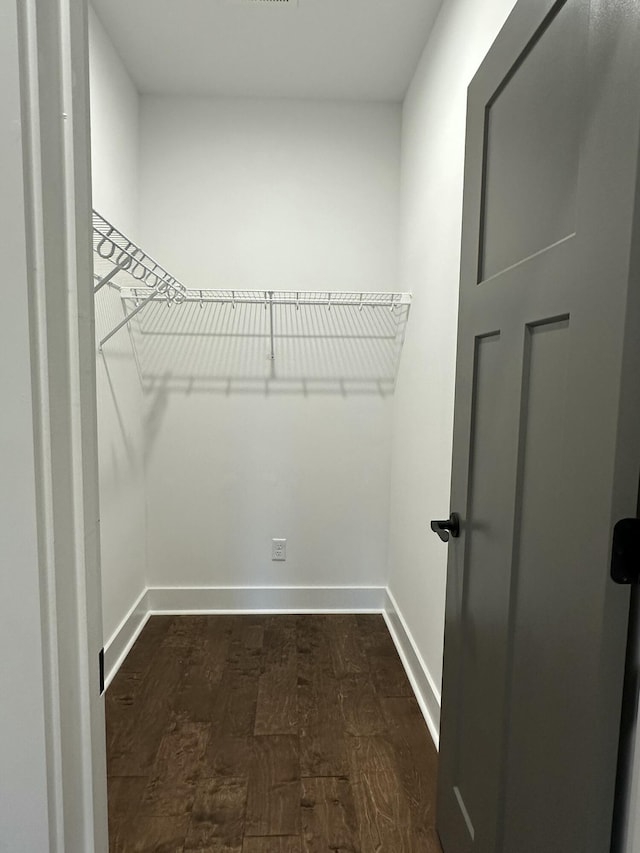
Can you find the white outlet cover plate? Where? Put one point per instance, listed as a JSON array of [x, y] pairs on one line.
[[279, 549]]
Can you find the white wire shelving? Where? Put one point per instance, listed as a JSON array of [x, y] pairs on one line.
[[328, 299], [120, 255], [288, 315]]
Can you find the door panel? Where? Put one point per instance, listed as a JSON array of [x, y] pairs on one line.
[[546, 408], [482, 666], [533, 129], [544, 598]]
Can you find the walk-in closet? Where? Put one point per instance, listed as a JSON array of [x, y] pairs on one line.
[[251, 321], [320, 430], [277, 222]]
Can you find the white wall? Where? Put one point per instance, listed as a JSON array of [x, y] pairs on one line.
[[433, 132], [115, 132], [282, 195], [115, 157], [274, 194]]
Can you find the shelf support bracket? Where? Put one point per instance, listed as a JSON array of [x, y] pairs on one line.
[[130, 316], [107, 278], [272, 355]]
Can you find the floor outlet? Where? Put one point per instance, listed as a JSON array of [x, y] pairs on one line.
[[279, 549]]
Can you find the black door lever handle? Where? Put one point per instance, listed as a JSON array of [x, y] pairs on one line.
[[447, 526]]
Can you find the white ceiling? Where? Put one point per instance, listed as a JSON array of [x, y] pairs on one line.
[[354, 49]]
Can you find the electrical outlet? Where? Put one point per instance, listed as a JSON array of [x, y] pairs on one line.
[[279, 549]]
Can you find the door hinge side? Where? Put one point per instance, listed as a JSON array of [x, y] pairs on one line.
[[101, 670], [625, 551]]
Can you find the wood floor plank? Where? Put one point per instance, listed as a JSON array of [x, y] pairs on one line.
[[328, 816], [245, 642], [217, 818], [253, 636], [374, 634], [273, 800], [323, 755], [319, 705], [360, 706], [185, 633], [382, 776], [150, 834], [380, 804], [277, 703], [280, 639], [371, 755], [389, 677], [234, 710], [415, 755], [124, 796], [383, 815], [205, 662], [216, 641], [320, 719], [120, 699], [277, 708], [278, 844], [347, 653], [196, 695], [238, 694], [312, 646], [227, 757], [172, 784], [145, 649], [135, 747]]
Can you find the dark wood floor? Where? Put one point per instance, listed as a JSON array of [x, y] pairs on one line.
[[270, 734]]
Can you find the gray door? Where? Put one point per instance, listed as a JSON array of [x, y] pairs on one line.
[[547, 433]]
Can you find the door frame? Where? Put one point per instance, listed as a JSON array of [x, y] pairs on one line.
[[56, 196]]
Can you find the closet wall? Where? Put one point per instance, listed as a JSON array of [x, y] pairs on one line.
[[115, 157], [433, 139], [268, 195], [243, 194]]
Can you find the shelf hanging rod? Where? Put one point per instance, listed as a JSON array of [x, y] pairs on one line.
[[112, 245], [140, 269]]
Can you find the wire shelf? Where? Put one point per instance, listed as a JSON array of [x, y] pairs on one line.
[[228, 335], [297, 298], [123, 255]]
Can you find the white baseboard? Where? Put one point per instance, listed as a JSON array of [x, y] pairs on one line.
[[288, 599], [212, 600], [119, 644], [424, 687], [182, 600]]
